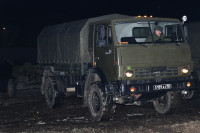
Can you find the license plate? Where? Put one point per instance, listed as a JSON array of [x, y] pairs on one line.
[[162, 87]]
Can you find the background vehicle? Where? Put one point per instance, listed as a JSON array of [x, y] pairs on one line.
[[18, 66], [106, 60]]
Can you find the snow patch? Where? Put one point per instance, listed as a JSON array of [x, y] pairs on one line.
[[137, 114], [41, 123]]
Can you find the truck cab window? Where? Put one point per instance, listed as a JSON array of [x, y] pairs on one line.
[[146, 32], [174, 31], [104, 36], [140, 33]]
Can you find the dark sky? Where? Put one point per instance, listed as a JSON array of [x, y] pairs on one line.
[[24, 19], [18, 10]]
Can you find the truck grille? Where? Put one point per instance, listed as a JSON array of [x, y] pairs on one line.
[[156, 72]]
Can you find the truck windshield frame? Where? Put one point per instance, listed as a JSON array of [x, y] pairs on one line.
[[143, 32]]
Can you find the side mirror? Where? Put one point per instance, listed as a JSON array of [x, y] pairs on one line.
[[184, 19]]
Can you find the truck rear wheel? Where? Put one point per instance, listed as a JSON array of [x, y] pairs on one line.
[[100, 106], [52, 95], [163, 105], [11, 88]]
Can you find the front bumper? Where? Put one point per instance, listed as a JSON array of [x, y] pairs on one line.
[[147, 91], [157, 87]]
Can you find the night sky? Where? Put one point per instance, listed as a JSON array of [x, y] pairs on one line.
[[24, 19]]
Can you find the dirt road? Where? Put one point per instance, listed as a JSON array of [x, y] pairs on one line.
[[28, 113]]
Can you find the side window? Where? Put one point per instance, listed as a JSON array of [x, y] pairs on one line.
[[109, 31], [104, 36], [174, 31], [171, 31]]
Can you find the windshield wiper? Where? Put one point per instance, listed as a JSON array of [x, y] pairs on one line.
[[151, 32]]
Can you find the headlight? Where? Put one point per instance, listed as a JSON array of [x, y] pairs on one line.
[[129, 73], [185, 70]]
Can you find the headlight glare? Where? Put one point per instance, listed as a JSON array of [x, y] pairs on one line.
[[129, 73], [185, 70]]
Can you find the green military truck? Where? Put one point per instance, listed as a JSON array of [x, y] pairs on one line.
[[106, 61]]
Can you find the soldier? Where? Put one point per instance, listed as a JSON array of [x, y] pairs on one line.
[[158, 36]]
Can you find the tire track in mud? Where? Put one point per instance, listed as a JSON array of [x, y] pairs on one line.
[[28, 110]]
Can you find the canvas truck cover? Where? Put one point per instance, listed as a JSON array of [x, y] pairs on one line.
[[194, 41], [68, 42]]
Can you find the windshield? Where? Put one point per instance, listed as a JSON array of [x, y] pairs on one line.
[[148, 32]]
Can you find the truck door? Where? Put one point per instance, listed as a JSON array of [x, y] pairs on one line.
[[104, 50]]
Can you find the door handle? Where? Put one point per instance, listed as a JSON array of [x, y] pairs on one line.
[[97, 58], [109, 51]]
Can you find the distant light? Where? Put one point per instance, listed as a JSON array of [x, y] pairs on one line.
[[151, 16], [4, 28], [145, 16], [139, 16]]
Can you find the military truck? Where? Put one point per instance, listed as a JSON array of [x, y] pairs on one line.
[[106, 61]]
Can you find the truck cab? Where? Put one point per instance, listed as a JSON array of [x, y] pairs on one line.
[[135, 70]]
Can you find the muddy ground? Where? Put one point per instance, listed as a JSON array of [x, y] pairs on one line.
[[28, 113]]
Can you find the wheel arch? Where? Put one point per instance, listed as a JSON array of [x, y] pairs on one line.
[[98, 78]]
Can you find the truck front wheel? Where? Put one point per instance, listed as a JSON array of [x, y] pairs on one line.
[[100, 106], [163, 104]]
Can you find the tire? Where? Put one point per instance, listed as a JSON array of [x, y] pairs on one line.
[[42, 87], [52, 95], [100, 106], [163, 105], [11, 88]]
